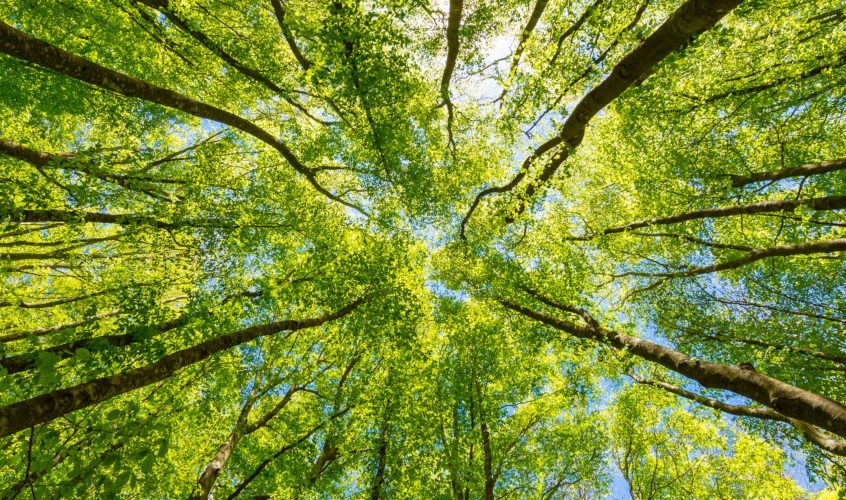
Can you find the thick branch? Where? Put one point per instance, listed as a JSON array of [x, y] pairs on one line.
[[820, 168], [814, 247], [210, 474], [381, 456], [535, 16], [279, 11], [43, 305], [28, 361], [839, 61], [786, 399], [821, 204], [40, 160], [164, 7], [50, 215], [811, 433], [47, 407], [453, 26], [22, 46], [691, 19], [834, 358]]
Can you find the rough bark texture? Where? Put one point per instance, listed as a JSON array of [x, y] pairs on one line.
[[786, 399], [691, 19], [47, 407], [26, 154], [244, 428]]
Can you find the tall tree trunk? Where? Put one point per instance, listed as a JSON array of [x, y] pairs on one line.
[[789, 400], [381, 456], [52, 405], [490, 481], [688, 21], [209, 476]]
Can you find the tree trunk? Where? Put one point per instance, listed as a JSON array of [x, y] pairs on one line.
[[786, 399], [215, 466], [47, 407]]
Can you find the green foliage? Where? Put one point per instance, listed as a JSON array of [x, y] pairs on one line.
[[133, 230]]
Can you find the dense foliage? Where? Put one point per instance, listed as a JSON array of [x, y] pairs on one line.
[[422, 248]]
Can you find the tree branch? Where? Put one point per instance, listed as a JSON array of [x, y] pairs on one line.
[[49, 406], [691, 19], [789, 400], [820, 168], [22, 46], [811, 433]]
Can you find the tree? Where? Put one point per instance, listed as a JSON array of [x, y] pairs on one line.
[[463, 249]]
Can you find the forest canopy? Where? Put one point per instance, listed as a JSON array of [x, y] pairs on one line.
[[423, 249]]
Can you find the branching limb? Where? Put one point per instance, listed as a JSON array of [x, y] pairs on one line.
[[811, 433], [22, 46], [810, 169], [788, 400], [691, 19], [821, 204]]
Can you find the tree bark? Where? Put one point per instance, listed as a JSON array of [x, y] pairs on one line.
[[820, 168], [488, 460], [811, 248], [453, 25], [264, 463], [215, 466], [688, 21], [834, 358], [786, 399], [22, 46], [811, 433], [279, 11], [164, 7], [38, 332], [25, 362], [821, 204], [52, 405], [39, 160], [381, 459], [43, 305], [572, 29]]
